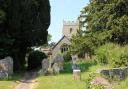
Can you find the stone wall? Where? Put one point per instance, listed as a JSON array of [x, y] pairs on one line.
[[121, 73]]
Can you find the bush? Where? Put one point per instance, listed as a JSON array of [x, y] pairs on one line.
[[67, 56], [112, 54], [102, 53], [35, 58], [95, 85]]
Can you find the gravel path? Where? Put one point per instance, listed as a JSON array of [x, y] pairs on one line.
[[28, 81]]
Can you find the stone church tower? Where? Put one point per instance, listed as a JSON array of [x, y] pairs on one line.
[[70, 28]]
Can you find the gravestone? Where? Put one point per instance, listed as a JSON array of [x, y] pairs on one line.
[[76, 74], [74, 62], [56, 68], [45, 65], [6, 67], [121, 73], [3, 75], [60, 61]]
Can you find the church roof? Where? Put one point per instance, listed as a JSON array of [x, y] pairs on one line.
[[61, 40]]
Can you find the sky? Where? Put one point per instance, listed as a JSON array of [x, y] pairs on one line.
[[63, 10]]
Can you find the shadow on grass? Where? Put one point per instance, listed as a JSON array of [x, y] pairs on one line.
[[15, 77], [84, 66]]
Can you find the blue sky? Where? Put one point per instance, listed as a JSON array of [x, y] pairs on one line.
[[67, 10]]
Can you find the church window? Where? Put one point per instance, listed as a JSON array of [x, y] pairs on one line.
[[70, 30], [64, 48]]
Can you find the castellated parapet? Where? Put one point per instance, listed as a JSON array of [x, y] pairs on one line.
[[70, 28], [70, 22]]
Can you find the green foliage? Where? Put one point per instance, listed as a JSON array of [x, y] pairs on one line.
[[102, 53], [49, 37], [5, 47], [67, 56], [89, 79], [95, 85], [35, 58], [122, 84], [2, 16], [112, 54], [104, 21], [65, 79], [98, 86], [109, 16], [84, 43], [23, 24]]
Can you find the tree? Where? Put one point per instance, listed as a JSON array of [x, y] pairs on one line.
[[110, 16], [25, 23], [105, 21], [49, 37]]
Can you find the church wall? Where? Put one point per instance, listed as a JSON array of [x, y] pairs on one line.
[[57, 49]]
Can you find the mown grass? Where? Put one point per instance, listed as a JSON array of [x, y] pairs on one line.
[[65, 79], [11, 82], [122, 84]]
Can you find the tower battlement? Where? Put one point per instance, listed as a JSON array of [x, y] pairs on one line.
[[70, 28], [70, 22]]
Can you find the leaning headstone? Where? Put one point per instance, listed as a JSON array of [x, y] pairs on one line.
[[74, 62], [56, 68], [60, 61], [6, 67], [45, 65], [10, 65], [3, 75]]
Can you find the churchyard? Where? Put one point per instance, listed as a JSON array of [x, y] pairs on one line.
[[64, 79], [91, 54]]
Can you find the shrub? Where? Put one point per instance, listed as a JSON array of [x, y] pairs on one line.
[[98, 86], [90, 84], [112, 54], [67, 56], [102, 53], [35, 58]]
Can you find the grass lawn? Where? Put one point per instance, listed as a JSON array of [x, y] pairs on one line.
[[65, 79], [122, 84], [9, 84], [6, 84]]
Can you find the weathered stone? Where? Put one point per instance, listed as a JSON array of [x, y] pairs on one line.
[[105, 72], [60, 61], [6, 64], [6, 67], [45, 65], [76, 74], [122, 73], [3, 75], [56, 68], [74, 62]]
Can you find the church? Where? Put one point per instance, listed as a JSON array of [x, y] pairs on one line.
[[69, 28]]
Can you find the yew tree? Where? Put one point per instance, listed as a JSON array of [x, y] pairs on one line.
[[23, 24]]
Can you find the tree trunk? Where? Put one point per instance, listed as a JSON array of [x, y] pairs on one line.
[[18, 55]]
